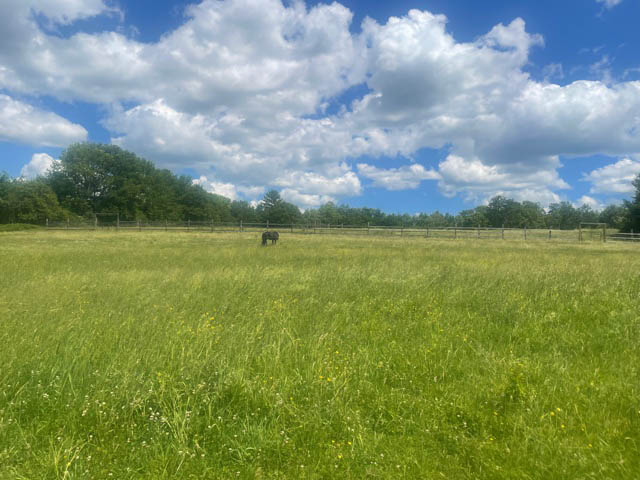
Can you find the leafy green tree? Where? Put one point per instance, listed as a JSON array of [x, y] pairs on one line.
[[632, 222], [102, 178], [587, 214], [329, 213], [93, 178], [614, 216], [28, 202], [275, 210], [563, 216], [503, 211], [5, 186], [476, 217], [532, 215], [243, 211]]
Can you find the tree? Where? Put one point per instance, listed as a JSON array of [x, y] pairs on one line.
[[243, 211], [330, 214], [28, 202], [5, 185], [503, 211], [532, 215], [476, 217], [587, 215], [563, 216], [632, 222], [93, 178], [614, 216], [274, 210]]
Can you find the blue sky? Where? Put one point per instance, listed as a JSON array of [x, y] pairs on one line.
[[406, 106]]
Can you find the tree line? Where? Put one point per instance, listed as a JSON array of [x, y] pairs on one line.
[[94, 179]]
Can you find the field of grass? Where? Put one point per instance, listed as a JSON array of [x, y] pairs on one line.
[[17, 227], [193, 355]]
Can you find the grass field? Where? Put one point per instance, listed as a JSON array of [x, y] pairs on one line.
[[192, 355]]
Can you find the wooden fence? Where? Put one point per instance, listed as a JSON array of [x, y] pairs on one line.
[[478, 233]]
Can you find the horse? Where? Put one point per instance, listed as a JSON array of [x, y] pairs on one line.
[[273, 236]]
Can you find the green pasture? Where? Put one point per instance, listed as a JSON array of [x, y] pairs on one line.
[[151, 355]]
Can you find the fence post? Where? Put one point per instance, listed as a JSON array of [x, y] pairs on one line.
[[427, 232], [139, 227], [166, 225], [579, 233], [95, 222], [47, 223], [478, 232], [503, 231], [525, 233], [549, 234], [241, 226], [118, 222], [292, 228], [455, 231], [67, 223], [368, 225], [604, 233]]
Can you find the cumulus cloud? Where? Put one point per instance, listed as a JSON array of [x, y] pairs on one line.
[[477, 99], [615, 178], [305, 200], [344, 185], [39, 165], [589, 202], [239, 92], [479, 182], [23, 123], [403, 178], [225, 189], [228, 190]]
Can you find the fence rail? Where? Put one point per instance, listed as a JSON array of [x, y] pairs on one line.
[[478, 233], [624, 237]]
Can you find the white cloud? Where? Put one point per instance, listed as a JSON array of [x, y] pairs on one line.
[[590, 202], [477, 99], [39, 165], [67, 11], [23, 123], [305, 200], [615, 178], [229, 190], [225, 189], [238, 93], [403, 178], [313, 183], [610, 3], [480, 182]]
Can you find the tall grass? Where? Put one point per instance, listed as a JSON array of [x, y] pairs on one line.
[[191, 355]]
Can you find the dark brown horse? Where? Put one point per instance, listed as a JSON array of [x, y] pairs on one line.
[[273, 236]]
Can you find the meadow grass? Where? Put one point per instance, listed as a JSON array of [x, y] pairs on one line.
[[193, 355]]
